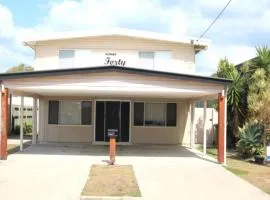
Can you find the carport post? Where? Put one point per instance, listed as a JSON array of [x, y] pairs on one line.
[[222, 127], [21, 123], [34, 127], [192, 115], [4, 123], [204, 126]]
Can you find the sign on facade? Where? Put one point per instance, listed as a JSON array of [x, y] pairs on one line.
[[112, 59]]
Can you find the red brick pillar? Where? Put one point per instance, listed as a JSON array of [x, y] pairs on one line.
[[221, 114], [112, 149], [4, 127]]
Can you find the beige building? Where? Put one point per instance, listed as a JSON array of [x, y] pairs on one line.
[[141, 84]]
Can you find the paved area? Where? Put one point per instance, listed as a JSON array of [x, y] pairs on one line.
[[163, 172], [15, 139]]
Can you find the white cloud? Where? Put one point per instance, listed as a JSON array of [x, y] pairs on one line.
[[207, 61], [12, 51], [88, 14], [6, 23]]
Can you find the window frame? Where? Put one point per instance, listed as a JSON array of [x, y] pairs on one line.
[[79, 100], [146, 126], [73, 63], [74, 58]]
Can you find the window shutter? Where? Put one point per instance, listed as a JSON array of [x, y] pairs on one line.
[[171, 114], [86, 107], [53, 112], [138, 114]]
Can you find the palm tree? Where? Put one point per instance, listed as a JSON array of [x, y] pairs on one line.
[[235, 97], [262, 60]]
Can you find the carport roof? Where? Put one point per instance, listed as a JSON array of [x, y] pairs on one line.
[[97, 69]]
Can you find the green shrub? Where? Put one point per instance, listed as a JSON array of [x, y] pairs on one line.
[[27, 128], [250, 139]]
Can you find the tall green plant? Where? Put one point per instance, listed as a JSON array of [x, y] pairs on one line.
[[236, 94], [259, 87], [262, 60]]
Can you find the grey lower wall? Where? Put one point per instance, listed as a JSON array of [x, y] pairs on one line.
[[139, 135]]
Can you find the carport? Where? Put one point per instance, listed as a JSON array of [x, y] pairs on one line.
[[131, 89]]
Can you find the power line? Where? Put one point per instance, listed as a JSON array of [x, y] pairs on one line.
[[210, 26]]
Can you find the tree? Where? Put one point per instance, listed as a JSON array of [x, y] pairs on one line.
[[20, 68], [235, 100], [259, 87], [262, 61]]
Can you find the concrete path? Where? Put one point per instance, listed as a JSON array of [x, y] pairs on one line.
[[59, 173]]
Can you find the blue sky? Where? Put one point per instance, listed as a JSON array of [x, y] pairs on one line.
[[243, 26]]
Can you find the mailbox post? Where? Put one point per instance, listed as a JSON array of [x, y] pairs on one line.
[[112, 133]]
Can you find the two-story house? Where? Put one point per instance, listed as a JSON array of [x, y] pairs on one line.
[[139, 83]]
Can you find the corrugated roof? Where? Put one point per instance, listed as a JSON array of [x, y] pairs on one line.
[[120, 32]]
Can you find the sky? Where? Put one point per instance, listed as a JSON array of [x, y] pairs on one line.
[[244, 25]]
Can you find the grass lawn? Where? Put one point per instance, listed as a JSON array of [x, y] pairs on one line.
[[111, 180], [258, 175], [11, 147]]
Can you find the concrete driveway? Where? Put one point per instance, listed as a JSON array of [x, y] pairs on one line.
[[163, 172]]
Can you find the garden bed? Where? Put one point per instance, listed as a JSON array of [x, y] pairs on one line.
[[111, 180]]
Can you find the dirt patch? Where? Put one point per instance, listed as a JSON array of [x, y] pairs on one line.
[[258, 175], [111, 180]]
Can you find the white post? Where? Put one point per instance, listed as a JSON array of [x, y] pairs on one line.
[[34, 121], [204, 126], [21, 123], [192, 115], [10, 113], [1, 86]]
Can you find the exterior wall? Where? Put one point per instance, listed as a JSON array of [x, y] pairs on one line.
[[139, 135], [211, 120], [183, 56]]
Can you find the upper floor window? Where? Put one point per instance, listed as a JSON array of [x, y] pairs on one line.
[[146, 59], [74, 58], [154, 59], [66, 58]]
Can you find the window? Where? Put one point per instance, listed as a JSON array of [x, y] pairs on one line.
[[70, 112], [74, 58], [66, 58], [155, 114], [146, 59], [138, 114], [147, 54]]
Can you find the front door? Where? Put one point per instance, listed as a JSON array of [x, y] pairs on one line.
[[112, 115]]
